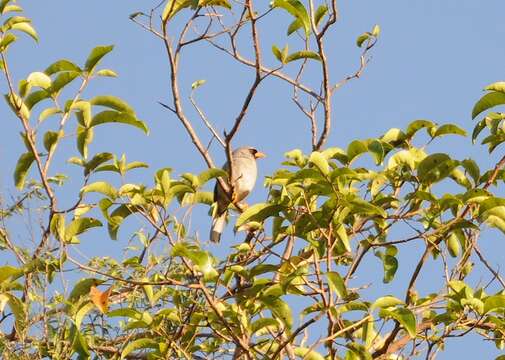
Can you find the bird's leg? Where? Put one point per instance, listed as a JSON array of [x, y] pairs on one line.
[[234, 195]]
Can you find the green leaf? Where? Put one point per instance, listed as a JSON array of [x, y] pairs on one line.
[[79, 226], [57, 226], [417, 125], [263, 323], [297, 9], [109, 116], [356, 148], [362, 38], [497, 86], [303, 54], [35, 97], [295, 25], [195, 85], [280, 55], [100, 187], [6, 40], [199, 197], [81, 313], [453, 245], [48, 112], [376, 148], [488, 101], [337, 283], [321, 11], [26, 28], [112, 102], [460, 178], [385, 302], [23, 165], [472, 169], [405, 317], [144, 343], [125, 312], [376, 31], [494, 141], [95, 56], [62, 80], [79, 343], [106, 72], [174, 6], [390, 265], [18, 106], [449, 129], [5, 8], [435, 167], [50, 139], [83, 112], [18, 308], [279, 309], [62, 66], [96, 161], [14, 20], [81, 288], [497, 221], [307, 354], [481, 125], [12, 8], [258, 212], [117, 217], [489, 204], [394, 137], [209, 174], [343, 238], [222, 3], [84, 138], [136, 165], [363, 207], [39, 79], [320, 162], [7, 272]]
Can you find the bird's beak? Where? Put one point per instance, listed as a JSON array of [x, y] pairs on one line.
[[259, 155]]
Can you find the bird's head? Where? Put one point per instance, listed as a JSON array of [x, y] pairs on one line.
[[249, 150], [256, 153]]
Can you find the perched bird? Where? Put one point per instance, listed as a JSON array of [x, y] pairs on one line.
[[244, 177]]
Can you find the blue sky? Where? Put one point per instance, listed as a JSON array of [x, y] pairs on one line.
[[431, 62]]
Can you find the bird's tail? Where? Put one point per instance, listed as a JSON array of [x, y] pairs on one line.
[[217, 228]]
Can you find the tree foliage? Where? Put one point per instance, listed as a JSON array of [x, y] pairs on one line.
[[293, 283]]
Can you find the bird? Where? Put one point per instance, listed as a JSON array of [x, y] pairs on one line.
[[244, 178]]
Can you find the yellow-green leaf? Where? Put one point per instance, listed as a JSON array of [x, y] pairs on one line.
[[110, 116], [96, 55], [24, 163], [39, 79], [488, 101], [144, 343], [320, 162], [27, 28], [101, 187], [494, 302]]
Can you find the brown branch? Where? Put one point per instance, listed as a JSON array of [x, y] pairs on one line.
[[489, 267], [295, 334], [326, 95], [265, 69], [206, 121], [173, 58]]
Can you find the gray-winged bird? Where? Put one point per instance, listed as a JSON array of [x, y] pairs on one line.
[[244, 178]]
